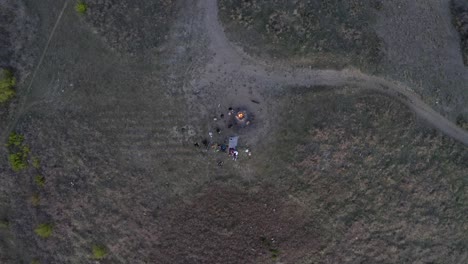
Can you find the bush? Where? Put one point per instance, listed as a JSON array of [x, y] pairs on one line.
[[35, 261], [99, 252], [15, 139], [36, 163], [7, 83], [17, 161], [19, 152], [44, 230], [81, 7], [40, 180]]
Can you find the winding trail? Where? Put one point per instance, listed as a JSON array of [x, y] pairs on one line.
[[232, 59]]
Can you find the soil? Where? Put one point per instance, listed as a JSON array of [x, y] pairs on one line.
[[345, 167]]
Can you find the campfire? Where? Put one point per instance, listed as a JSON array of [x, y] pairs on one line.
[[240, 116]]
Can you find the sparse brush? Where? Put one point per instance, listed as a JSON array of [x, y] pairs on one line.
[[40, 180], [36, 163], [4, 223], [18, 152], [35, 199]]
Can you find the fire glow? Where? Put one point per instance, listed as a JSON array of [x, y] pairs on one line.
[[240, 116]]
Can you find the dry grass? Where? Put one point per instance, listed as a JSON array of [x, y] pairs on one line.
[[460, 19], [337, 30], [384, 187]]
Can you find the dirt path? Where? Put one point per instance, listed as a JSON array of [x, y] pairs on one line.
[[228, 59]]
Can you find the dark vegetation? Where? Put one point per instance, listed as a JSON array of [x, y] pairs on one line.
[[40, 180], [7, 85], [333, 30], [382, 186], [18, 152], [81, 7], [130, 26], [99, 251], [460, 19]]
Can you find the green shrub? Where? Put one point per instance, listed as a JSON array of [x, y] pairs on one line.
[[15, 139], [35, 261], [17, 161], [36, 163], [44, 230], [40, 180], [19, 152], [81, 7], [7, 82], [99, 252]]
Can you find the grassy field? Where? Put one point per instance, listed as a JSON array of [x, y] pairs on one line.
[[322, 33], [380, 186], [111, 173], [125, 24]]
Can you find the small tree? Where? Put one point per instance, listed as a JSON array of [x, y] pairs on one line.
[[44, 230], [99, 252]]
